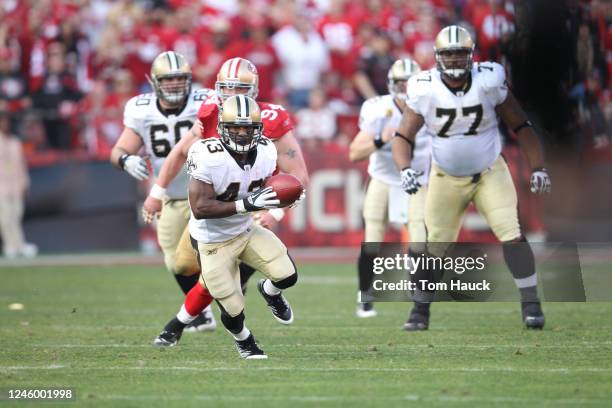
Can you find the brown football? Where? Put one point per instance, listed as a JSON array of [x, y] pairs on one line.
[[287, 187]]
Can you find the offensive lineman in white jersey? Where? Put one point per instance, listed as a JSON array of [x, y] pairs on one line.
[[385, 201], [157, 121], [227, 176], [459, 102]]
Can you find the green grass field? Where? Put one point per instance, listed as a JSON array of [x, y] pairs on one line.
[[90, 329]]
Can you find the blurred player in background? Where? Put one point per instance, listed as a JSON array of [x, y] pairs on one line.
[[458, 102], [385, 201], [236, 76], [157, 121], [226, 185]]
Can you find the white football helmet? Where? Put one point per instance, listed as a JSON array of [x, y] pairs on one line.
[[237, 74], [168, 65], [454, 51], [398, 76], [240, 111]]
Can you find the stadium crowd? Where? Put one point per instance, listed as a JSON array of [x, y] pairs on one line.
[[67, 67]]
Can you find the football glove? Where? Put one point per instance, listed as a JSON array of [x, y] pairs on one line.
[[409, 177], [135, 166], [263, 198], [540, 181]]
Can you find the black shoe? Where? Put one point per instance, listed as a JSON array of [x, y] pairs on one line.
[[167, 339], [281, 310], [533, 316], [204, 322], [419, 317], [249, 350]]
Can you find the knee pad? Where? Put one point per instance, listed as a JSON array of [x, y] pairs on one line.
[[287, 282], [234, 324]]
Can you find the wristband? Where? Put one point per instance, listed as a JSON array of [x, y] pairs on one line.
[[277, 213], [122, 159], [240, 207], [157, 192], [378, 142], [410, 142]]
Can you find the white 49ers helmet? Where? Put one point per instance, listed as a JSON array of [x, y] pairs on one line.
[[169, 65], [454, 50], [236, 112], [238, 76], [398, 76]]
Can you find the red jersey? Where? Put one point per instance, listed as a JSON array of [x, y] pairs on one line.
[[275, 119]]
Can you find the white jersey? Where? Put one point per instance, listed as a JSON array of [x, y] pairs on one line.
[[464, 124], [159, 133], [382, 112], [210, 162]]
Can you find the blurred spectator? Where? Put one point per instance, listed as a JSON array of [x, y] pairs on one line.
[[317, 121], [304, 58], [13, 88], [55, 101], [338, 29], [14, 183], [212, 54], [374, 63], [494, 27], [257, 48]]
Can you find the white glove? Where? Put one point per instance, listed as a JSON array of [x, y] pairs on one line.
[[261, 199], [540, 181], [135, 166], [410, 184]]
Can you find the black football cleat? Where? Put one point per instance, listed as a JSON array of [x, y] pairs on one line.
[[533, 316], [249, 350], [281, 309], [419, 317], [205, 321], [167, 339]]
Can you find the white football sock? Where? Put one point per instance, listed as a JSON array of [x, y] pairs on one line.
[[270, 289]]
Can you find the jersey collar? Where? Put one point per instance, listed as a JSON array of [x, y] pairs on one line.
[[465, 88], [168, 112], [250, 159]]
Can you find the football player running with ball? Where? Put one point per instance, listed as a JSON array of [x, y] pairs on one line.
[[459, 103], [237, 76], [158, 121], [385, 201], [227, 176]]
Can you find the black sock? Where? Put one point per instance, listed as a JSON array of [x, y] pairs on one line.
[[233, 324], [364, 268], [175, 326], [520, 261], [186, 282], [246, 272]]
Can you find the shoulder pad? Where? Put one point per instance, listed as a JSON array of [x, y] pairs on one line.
[[207, 151], [491, 74], [268, 148], [420, 84]]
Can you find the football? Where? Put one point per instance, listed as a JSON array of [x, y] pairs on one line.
[[287, 187]]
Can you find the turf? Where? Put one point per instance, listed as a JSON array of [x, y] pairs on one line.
[[90, 329]]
